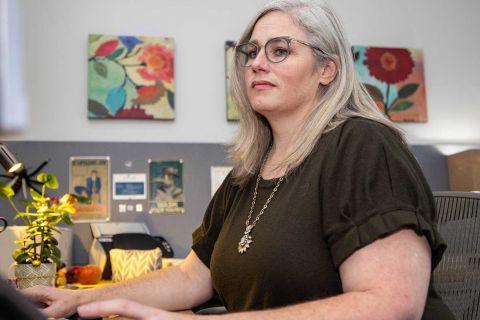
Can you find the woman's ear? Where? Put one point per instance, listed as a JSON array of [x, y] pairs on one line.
[[328, 72]]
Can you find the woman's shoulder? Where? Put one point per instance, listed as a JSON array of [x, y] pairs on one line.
[[365, 131], [359, 125]]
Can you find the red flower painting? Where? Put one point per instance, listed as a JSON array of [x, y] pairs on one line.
[[390, 65], [394, 78]]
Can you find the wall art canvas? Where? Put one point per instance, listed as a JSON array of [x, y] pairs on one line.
[[395, 79], [90, 182], [166, 186], [232, 114], [130, 77]]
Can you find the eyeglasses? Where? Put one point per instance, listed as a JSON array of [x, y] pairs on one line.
[[276, 50]]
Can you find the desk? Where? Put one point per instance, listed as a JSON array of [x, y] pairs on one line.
[[166, 262]]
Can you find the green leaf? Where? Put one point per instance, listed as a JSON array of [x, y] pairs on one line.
[[93, 37], [52, 240], [66, 218], [25, 202], [33, 245], [48, 179], [45, 252], [56, 221], [374, 92], [97, 108], [34, 234], [100, 68], [56, 260], [402, 106], [56, 252], [68, 209], [407, 90], [116, 54], [171, 98], [6, 191], [21, 258], [16, 253]]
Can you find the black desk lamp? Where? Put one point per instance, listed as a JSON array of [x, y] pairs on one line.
[[8, 160], [17, 172]]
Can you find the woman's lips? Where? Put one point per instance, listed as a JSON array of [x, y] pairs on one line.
[[262, 84]]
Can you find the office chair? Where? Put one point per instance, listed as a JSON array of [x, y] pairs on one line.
[[457, 277]]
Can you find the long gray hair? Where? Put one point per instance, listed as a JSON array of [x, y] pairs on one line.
[[345, 97]]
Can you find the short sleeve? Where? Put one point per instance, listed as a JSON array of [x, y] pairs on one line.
[[205, 236], [374, 188]]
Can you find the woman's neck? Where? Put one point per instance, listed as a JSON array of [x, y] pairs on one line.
[[282, 141]]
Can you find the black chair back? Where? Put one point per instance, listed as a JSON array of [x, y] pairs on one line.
[[457, 277]]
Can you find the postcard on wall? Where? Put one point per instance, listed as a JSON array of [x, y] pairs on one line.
[[130, 77], [232, 113], [395, 79], [166, 186], [90, 182], [217, 175]]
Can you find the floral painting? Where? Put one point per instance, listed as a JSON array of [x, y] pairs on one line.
[[130, 77], [395, 79], [232, 114]]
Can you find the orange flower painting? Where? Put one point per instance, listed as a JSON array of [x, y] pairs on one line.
[[394, 77], [131, 78]]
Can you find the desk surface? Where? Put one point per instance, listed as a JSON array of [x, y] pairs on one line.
[[166, 262]]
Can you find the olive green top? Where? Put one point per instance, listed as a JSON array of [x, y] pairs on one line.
[[359, 183]]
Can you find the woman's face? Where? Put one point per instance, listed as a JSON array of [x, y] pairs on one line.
[[286, 88]]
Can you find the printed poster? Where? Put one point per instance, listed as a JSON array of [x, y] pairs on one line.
[[166, 187], [90, 182]]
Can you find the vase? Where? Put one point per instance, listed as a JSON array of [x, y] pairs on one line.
[[27, 275]]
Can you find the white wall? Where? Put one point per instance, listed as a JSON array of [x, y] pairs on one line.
[[56, 43], [13, 106]]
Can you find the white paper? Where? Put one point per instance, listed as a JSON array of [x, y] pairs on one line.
[[218, 174]]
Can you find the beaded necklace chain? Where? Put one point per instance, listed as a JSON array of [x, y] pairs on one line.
[[247, 240]]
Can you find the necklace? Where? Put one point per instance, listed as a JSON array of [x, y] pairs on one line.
[[246, 239]]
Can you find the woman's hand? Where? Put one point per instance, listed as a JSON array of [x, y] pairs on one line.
[[127, 309], [56, 302]]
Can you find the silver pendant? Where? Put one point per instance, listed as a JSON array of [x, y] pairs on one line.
[[245, 241]]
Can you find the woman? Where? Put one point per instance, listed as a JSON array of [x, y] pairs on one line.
[[326, 214]]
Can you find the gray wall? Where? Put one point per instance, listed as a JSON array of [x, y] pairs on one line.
[[197, 161], [177, 228]]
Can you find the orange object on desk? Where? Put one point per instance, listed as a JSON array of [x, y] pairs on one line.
[[166, 262], [89, 274]]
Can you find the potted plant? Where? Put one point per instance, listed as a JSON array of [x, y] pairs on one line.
[[38, 256]]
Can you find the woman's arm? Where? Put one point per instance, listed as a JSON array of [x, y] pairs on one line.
[[387, 279], [175, 288]]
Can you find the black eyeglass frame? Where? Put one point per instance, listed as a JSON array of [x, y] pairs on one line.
[[289, 40]]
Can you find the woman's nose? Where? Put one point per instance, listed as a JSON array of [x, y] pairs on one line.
[[261, 63]]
